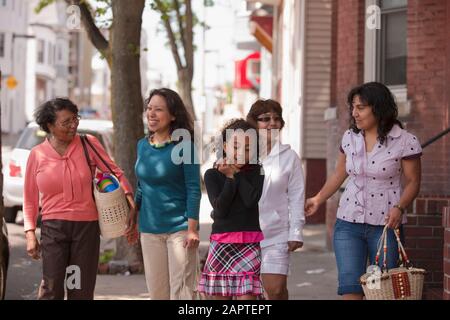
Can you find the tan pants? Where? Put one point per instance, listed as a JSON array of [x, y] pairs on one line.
[[171, 271]]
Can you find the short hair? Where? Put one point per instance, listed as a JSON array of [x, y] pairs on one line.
[[262, 106], [45, 114]]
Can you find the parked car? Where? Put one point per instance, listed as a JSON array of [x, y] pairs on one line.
[[4, 261], [89, 114], [31, 136]]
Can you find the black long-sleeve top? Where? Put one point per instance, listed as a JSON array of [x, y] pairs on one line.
[[235, 201]]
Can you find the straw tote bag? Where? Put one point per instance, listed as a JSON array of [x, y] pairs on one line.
[[402, 283], [112, 206]]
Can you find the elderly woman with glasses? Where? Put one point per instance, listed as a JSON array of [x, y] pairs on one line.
[[376, 155], [281, 207], [59, 180]]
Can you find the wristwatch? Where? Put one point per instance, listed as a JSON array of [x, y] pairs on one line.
[[402, 210]]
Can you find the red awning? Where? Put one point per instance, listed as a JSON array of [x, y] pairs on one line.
[[261, 28]]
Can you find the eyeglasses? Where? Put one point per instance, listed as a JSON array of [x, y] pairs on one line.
[[267, 118], [68, 123]]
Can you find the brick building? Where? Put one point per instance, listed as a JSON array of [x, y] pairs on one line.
[[322, 49], [411, 54]]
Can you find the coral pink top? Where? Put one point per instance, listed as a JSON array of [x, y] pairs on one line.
[[64, 183], [238, 237]]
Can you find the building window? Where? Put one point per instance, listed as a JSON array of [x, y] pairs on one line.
[[50, 53], [2, 45], [391, 43], [4, 3], [40, 51], [59, 53]]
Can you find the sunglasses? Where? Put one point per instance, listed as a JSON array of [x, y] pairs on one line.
[[267, 118]]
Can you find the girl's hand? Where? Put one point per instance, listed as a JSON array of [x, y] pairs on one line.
[[227, 169], [311, 206], [394, 218], [33, 247], [294, 245], [192, 239]]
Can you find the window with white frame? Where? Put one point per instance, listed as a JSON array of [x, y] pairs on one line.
[[40, 50], [391, 51], [2, 45], [386, 42], [59, 59], [50, 54]]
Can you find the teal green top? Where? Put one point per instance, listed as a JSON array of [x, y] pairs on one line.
[[168, 189]]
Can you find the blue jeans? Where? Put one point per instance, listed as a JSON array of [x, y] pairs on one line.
[[353, 244]]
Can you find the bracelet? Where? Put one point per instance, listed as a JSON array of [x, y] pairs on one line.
[[402, 210]]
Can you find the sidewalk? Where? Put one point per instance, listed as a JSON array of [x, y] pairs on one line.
[[313, 275], [313, 268]]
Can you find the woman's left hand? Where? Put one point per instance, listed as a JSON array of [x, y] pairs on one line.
[[192, 239], [131, 231], [394, 218], [294, 245]]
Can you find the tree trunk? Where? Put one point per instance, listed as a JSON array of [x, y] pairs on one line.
[[127, 100], [185, 89]]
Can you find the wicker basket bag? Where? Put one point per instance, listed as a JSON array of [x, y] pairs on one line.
[[112, 206], [402, 283]]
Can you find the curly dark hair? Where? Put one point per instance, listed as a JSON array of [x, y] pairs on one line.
[[177, 109], [234, 124], [45, 114], [383, 105], [262, 106]]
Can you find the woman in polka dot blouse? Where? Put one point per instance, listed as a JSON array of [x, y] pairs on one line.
[[382, 163]]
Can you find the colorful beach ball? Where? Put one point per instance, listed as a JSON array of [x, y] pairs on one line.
[[106, 183]]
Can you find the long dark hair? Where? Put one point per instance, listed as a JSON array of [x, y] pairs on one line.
[[383, 105], [177, 109]]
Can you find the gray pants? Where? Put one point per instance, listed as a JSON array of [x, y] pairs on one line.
[[73, 246]]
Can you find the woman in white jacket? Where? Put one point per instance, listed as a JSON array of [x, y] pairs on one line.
[[281, 207]]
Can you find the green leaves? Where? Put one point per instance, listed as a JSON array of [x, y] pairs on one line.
[[103, 13], [42, 4], [106, 256]]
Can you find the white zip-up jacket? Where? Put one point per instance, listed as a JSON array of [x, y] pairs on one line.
[[281, 207]]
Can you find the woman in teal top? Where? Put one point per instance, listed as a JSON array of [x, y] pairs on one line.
[[167, 198]]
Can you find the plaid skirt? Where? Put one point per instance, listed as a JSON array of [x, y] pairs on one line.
[[232, 269]]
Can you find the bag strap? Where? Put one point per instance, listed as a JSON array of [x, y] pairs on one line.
[[86, 153], [401, 250], [84, 139], [379, 245], [88, 160]]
